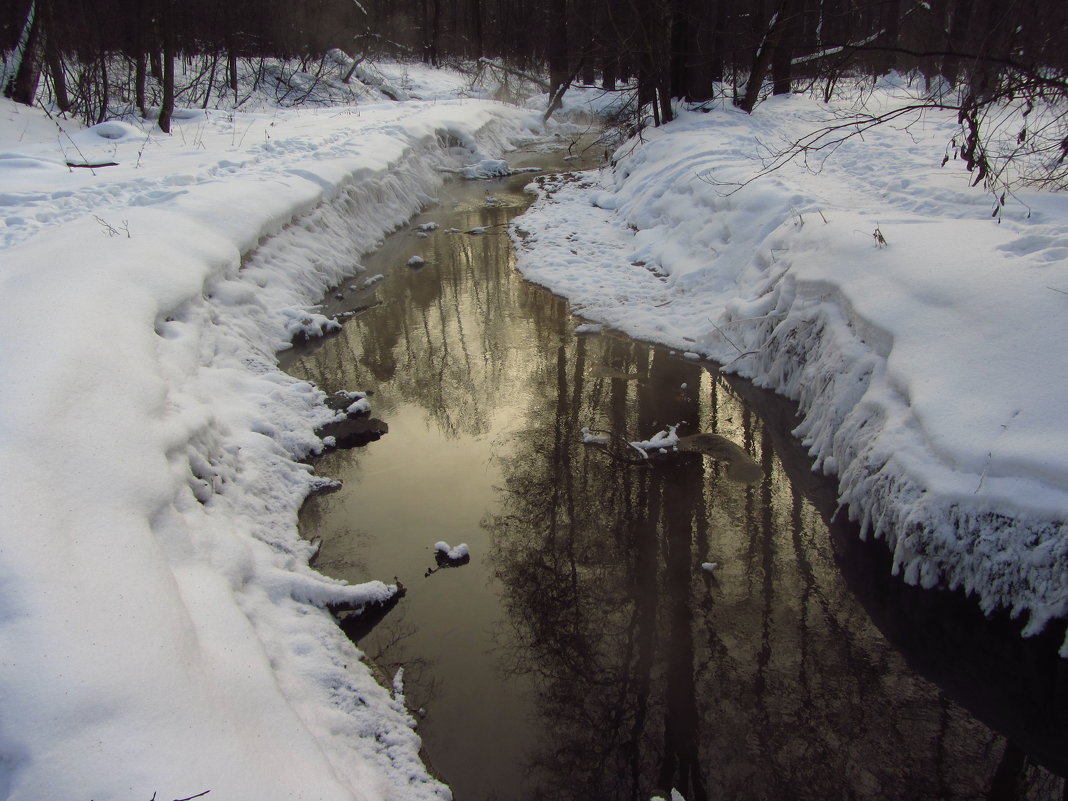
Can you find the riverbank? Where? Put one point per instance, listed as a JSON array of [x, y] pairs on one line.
[[162, 631], [919, 336]]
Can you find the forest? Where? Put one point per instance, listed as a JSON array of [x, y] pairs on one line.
[[104, 60]]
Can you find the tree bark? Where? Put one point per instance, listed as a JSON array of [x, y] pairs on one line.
[[680, 55], [956, 36], [141, 82], [105, 90], [54, 61], [557, 28], [166, 110], [763, 58], [22, 87]]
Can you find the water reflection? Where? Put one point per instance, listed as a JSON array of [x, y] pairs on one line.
[[584, 653], [764, 680]]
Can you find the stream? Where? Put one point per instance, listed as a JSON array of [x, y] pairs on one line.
[[588, 649]]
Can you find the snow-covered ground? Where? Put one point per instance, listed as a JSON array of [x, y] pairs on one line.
[[930, 366], [160, 630], [161, 633]]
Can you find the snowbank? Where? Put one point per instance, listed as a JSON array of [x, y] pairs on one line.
[[930, 371], [161, 630]]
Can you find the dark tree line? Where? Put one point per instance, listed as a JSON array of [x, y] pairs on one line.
[[978, 53], [681, 49], [72, 44]]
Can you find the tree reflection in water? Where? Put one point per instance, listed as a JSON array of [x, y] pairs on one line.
[[764, 679]]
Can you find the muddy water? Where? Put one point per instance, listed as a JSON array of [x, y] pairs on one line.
[[584, 652]]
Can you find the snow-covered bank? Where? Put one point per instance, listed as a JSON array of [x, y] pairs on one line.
[[161, 631], [930, 371]]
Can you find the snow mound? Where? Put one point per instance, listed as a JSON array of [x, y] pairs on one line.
[[115, 131], [487, 168], [453, 554], [309, 324]]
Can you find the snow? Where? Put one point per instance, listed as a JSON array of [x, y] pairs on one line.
[[486, 168], [359, 406], [930, 372], [589, 438], [162, 631], [661, 442], [453, 554]]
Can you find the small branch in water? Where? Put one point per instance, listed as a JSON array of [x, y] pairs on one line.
[[485, 229], [626, 444]]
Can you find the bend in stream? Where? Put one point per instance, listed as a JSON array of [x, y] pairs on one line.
[[586, 650]]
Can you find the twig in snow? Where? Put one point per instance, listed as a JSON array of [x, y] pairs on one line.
[[110, 229], [990, 453], [64, 133]]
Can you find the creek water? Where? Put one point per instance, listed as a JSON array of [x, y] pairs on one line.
[[584, 652]]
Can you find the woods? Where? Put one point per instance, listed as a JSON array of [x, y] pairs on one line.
[[972, 56]]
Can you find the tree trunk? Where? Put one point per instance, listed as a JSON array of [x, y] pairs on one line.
[[783, 49], [557, 28], [22, 87], [717, 38], [166, 110], [666, 112], [105, 90], [701, 44], [476, 22], [424, 7], [781, 66], [589, 45], [957, 35], [763, 58], [609, 71], [141, 82], [435, 34], [231, 63], [679, 51], [54, 62], [891, 25]]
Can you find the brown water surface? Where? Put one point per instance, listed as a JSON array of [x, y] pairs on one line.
[[583, 652]]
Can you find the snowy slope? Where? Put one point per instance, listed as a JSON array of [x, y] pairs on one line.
[[160, 629], [931, 373]]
